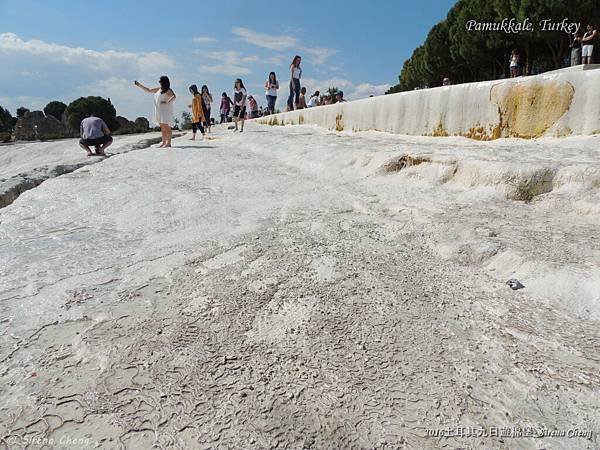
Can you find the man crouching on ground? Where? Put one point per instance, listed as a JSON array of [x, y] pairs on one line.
[[94, 132]]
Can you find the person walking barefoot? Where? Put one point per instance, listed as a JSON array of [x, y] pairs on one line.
[[295, 74], [197, 112], [239, 103], [208, 99], [302, 100], [163, 107], [226, 105], [271, 86]]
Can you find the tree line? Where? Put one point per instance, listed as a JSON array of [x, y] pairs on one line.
[[451, 50]]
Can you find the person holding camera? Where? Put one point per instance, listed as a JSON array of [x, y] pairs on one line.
[[272, 85]]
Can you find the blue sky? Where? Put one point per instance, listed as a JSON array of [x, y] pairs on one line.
[[66, 49]]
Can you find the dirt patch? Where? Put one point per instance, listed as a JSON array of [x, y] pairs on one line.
[[528, 109], [401, 162], [527, 189]]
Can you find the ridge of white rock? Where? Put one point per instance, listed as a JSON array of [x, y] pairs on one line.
[[26, 165], [559, 103]]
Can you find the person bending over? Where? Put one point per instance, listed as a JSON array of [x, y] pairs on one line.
[[94, 133]]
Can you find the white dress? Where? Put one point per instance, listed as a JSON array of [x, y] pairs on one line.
[[163, 112]]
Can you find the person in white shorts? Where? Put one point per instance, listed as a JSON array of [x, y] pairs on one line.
[[587, 44]]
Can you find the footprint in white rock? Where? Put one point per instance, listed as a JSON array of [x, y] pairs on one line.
[[324, 268]]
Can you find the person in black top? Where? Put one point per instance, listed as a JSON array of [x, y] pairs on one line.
[[587, 44]]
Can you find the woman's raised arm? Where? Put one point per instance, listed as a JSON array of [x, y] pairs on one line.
[[144, 88]]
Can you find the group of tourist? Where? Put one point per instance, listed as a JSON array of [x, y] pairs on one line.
[[581, 45], [164, 97], [95, 133]]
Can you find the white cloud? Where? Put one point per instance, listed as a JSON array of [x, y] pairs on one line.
[[230, 70], [229, 56], [203, 40], [366, 89], [316, 55], [265, 40], [319, 55], [129, 101], [231, 63], [107, 61], [64, 73], [276, 60], [30, 102], [352, 91]]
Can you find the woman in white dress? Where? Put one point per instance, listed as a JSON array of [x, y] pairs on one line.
[[163, 107]]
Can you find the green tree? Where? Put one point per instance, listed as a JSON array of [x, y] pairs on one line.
[[484, 53], [438, 61], [22, 111], [451, 49], [186, 121], [55, 109], [141, 125], [414, 72], [84, 106], [6, 120]]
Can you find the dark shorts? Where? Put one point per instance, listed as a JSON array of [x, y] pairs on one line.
[[98, 141], [239, 112]]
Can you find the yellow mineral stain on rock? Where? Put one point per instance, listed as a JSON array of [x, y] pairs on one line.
[[529, 108], [339, 122], [440, 130], [480, 133]]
